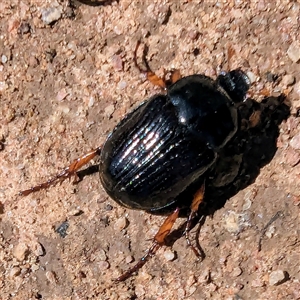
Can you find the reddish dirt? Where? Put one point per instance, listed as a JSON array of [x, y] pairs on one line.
[[63, 88]]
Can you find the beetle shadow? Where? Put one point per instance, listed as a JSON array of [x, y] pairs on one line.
[[87, 171], [251, 149]]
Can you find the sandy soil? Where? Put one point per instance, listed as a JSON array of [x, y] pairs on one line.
[[63, 88]]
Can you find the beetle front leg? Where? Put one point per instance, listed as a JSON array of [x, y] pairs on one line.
[[151, 76], [198, 199], [66, 173], [158, 241]]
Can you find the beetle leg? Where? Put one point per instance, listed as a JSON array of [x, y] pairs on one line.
[[151, 76], [158, 241], [66, 173], [175, 76], [198, 199]]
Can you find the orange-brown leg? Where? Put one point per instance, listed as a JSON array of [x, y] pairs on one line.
[[175, 76], [230, 54], [66, 173], [158, 241], [151, 76], [198, 199]]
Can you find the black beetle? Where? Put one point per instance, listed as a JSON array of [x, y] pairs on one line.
[[166, 144]]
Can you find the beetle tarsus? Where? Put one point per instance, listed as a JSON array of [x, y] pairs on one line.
[[197, 200], [264, 230], [175, 76], [66, 173], [53, 181], [150, 253], [159, 241]]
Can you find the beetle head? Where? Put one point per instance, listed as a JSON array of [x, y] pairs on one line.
[[236, 84]]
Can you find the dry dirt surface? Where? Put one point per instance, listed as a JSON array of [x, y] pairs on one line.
[[67, 77]]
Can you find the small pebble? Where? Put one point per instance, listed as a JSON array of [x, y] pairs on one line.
[[236, 272], [38, 249], [51, 14], [257, 283], [205, 276], [50, 54], [277, 277], [3, 86], [251, 77], [293, 51], [65, 109], [117, 62], [24, 28], [10, 115], [25, 269], [288, 80], [108, 207], [51, 276], [4, 59], [80, 57], [271, 231], [191, 280], [20, 251], [297, 88], [75, 212], [91, 102], [231, 222], [291, 157], [295, 105], [34, 267], [101, 255], [121, 223], [61, 95], [295, 142], [247, 204], [33, 62], [62, 229], [169, 255], [109, 110], [122, 85], [61, 128], [103, 265], [270, 77], [15, 271], [128, 259]]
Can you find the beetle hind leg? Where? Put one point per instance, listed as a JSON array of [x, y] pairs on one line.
[[197, 200], [158, 241], [68, 172]]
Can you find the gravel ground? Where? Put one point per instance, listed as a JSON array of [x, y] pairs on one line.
[[67, 78]]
